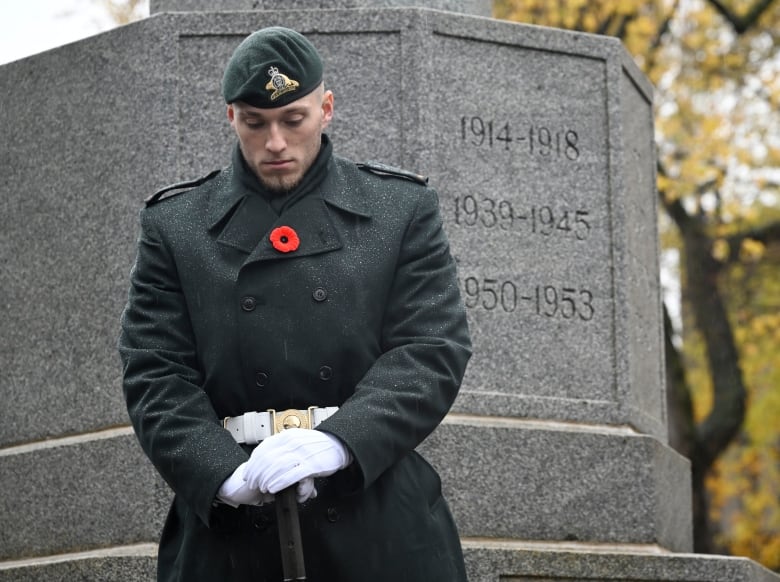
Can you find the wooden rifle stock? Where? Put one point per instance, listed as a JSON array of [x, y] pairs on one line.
[[290, 535]]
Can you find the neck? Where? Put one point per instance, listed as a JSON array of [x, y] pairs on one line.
[[281, 199]]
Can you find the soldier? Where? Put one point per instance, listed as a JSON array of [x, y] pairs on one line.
[[295, 289]]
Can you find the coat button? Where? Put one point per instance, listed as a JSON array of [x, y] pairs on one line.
[[332, 514], [261, 522], [320, 294], [261, 379], [326, 373], [248, 303]]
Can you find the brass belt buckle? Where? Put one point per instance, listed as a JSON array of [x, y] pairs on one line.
[[291, 418]]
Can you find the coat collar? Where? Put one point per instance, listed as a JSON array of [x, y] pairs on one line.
[[224, 198], [244, 219], [310, 219], [341, 188]]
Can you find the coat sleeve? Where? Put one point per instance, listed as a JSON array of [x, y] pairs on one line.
[[162, 381], [425, 345]]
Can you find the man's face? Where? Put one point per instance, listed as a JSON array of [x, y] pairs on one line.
[[280, 144]]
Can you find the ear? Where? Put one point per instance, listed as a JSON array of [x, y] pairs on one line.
[[327, 108], [231, 115]]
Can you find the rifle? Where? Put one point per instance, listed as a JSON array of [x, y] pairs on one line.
[[290, 535]]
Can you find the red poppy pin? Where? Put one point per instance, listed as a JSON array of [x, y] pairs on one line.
[[284, 239]]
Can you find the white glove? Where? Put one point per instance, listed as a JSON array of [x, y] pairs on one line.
[[234, 491], [305, 490], [291, 456]]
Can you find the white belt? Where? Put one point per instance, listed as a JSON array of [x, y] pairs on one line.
[[252, 427]]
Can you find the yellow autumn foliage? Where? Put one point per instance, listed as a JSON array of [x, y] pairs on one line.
[[721, 250], [751, 250], [745, 481]]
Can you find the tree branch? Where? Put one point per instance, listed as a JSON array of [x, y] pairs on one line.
[[701, 269], [682, 428], [725, 419], [663, 29], [742, 23], [674, 208], [766, 234]]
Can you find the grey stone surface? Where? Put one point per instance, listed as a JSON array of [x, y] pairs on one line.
[[508, 565], [97, 494], [86, 133], [483, 565], [563, 294], [477, 7], [638, 315], [108, 569], [548, 484]]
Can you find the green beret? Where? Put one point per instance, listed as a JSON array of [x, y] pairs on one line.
[[271, 68]]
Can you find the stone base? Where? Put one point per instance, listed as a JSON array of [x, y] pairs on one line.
[[503, 479], [561, 482], [93, 492], [133, 563], [486, 561], [491, 562]]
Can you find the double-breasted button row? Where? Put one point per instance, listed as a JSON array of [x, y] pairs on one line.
[[262, 521], [262, 378], [319, 294], [248, 303]]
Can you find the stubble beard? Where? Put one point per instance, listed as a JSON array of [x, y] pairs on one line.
[[280, 185]]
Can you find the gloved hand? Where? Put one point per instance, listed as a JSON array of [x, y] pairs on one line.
[[234, 491], [305, 490], [293, 455]]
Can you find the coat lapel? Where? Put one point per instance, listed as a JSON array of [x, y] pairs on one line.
[[248, 224], [341, 188], [309, 218], [243, 216], [248, 219]]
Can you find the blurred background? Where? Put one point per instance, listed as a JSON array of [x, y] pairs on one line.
[[715, 65]]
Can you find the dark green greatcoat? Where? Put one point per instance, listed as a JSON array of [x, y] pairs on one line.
[[365, 314]]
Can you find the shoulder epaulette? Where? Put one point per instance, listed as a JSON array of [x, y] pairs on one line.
[[384, 170], [178, 188]]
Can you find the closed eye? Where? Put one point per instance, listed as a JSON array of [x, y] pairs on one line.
[[253, 123]]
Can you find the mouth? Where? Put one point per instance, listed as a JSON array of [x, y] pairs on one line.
[[278, 164]]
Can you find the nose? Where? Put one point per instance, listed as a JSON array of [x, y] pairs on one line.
[[275, 142]]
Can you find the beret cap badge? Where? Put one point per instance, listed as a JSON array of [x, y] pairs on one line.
[[272, 67], [279, 84]]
